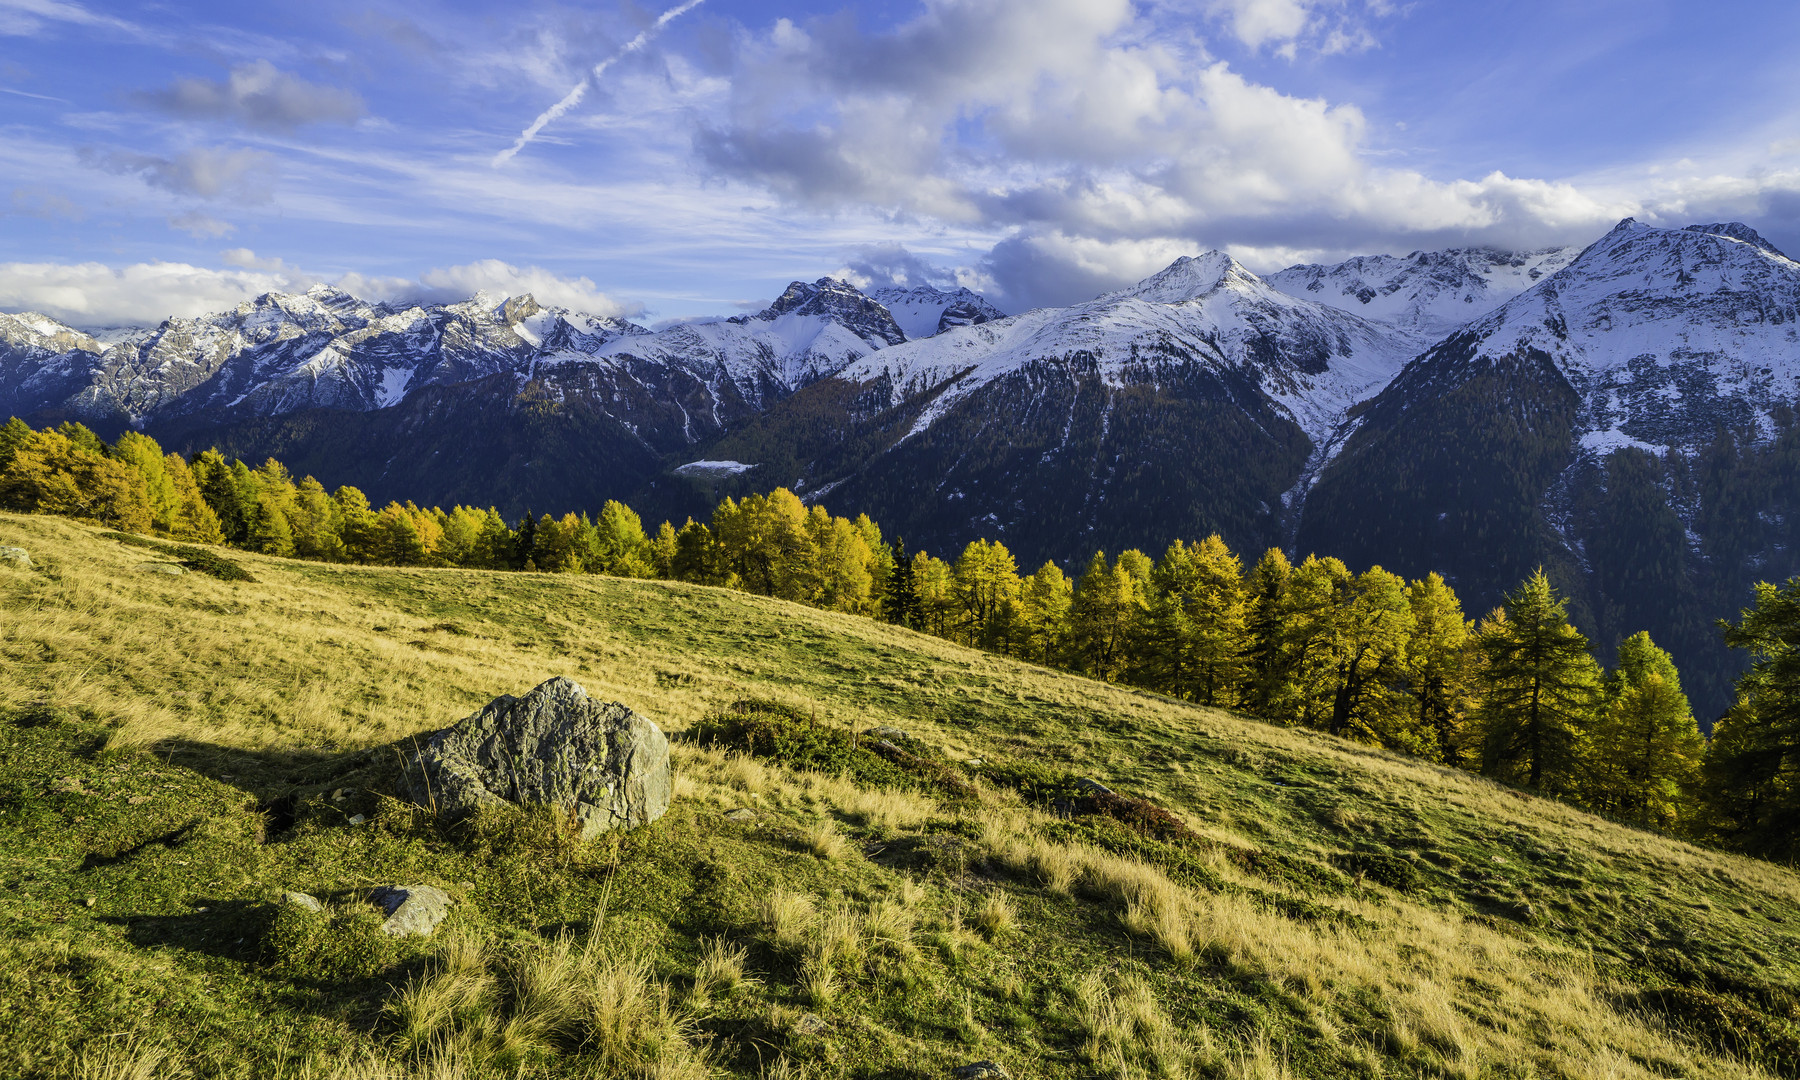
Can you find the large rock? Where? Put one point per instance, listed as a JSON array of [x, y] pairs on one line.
[[605, 765], [16, 557]]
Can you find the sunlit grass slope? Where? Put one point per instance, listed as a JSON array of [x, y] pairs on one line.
[[177, 751]]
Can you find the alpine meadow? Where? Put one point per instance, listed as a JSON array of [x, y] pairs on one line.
[[931, 540]]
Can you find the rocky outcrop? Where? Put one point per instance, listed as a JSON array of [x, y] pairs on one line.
[[604, 765]]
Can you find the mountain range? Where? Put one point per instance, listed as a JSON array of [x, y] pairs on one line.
[[1621, 413]]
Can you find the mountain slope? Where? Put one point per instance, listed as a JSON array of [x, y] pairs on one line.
[[1186, 404], [1427, 294], [1336, 911], [1571, 426]]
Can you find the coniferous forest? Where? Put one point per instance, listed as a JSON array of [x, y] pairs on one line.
[[1515, 693]]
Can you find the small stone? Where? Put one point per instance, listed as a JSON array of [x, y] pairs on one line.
[[976, 761], [357, 819], [337, 795], [811, 1024], [15, 557], [412, 909], [303, 901], [465, 886], [169, 569], [1093, 787], [89, 902], [980, 1070], [885, 732], [741, 815]]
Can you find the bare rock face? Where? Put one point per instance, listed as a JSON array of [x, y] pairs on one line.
[[607, 766]]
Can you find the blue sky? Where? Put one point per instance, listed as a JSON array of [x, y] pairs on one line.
[[163, 158]]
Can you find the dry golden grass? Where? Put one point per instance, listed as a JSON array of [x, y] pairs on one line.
[[995, 916], [786, 918], [720, 970], [297, 662]]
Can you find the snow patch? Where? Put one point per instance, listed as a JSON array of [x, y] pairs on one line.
[[712, 469], [1602, 443], [393, 386]]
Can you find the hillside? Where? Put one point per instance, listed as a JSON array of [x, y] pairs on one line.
[[178, 750]]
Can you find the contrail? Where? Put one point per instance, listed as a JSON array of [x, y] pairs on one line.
[[573, 98]]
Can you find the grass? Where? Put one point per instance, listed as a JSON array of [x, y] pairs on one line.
[[1261, 902]]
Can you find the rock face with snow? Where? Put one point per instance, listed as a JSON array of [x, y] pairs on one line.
[[923, 311], [1427, 294]]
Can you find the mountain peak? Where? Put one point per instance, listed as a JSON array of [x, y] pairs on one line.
[[837, 300], [1187, 278]]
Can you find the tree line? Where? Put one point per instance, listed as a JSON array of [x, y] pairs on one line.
[[1516, 694]]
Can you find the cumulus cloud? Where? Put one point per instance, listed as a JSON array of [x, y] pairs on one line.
[[1096, 144], [94, 294], [257, 95], [878, 266], [502, 278], [242, 175], [1282, 26]]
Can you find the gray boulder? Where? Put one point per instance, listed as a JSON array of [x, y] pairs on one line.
[[304, 901], [412, 910], [16, 557], [980, 1070], [603, 764]]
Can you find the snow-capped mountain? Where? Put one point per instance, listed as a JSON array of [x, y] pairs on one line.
[[1665, 334], [923, 311], [1196, 394], [279, 353], [1625, 422], [1427, 294], [810, 331], [1313, 361]]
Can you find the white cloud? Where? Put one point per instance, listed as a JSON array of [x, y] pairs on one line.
[[1098, 144], [257, 95], [94, 294], [493, 276]]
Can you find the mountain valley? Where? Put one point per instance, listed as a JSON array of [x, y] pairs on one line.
[[1598, 411]]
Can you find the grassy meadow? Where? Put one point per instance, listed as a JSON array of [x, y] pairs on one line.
[[176, 752]]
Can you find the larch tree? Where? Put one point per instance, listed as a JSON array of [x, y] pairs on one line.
[[1267, 675], [1646, 749], [1369, 626], [1540, 687], [1750, 789], [1438, 668]]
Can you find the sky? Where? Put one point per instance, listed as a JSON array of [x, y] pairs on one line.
[[690, 158]]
